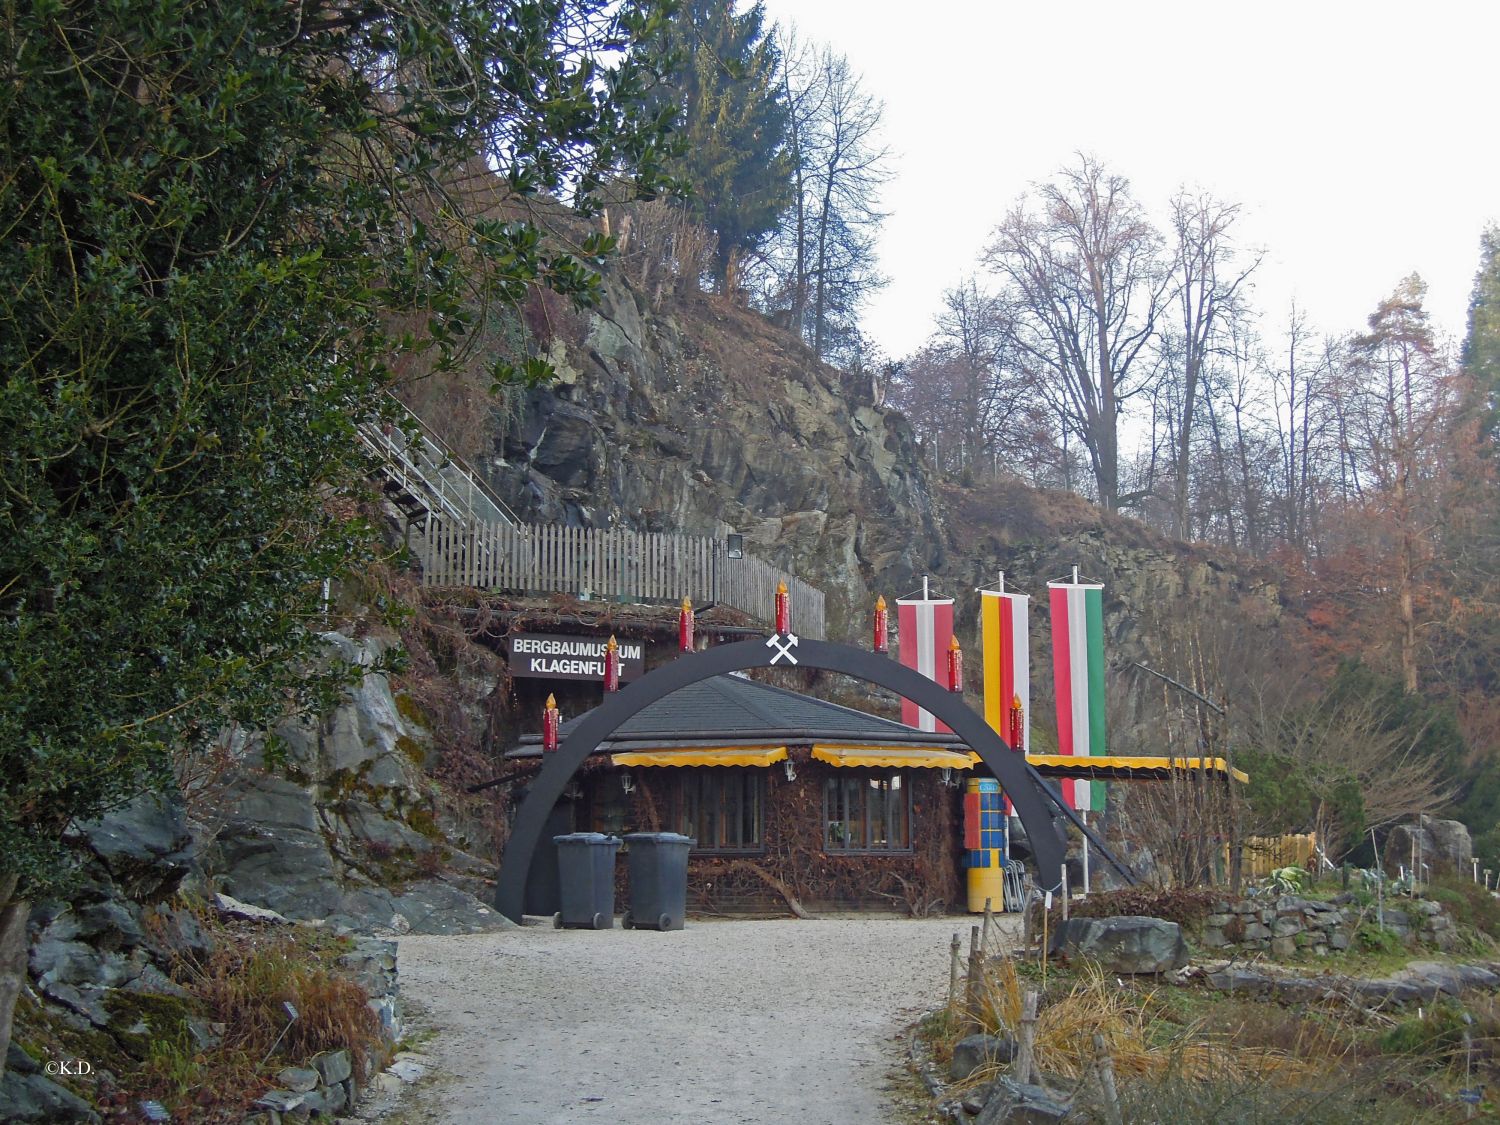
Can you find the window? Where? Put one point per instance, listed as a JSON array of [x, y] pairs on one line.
[[722, 809], [866, 812]]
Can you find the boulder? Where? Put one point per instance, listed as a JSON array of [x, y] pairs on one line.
[[1126, 944], [974, 1051], [27, 1095], [1444, 846], [433, 907], [1017, 1103], [145, 845], [270, 853]]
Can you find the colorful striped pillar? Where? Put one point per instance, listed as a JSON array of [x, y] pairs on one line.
[[984, 843]]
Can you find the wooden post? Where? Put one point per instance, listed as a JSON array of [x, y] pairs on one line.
[[953, 973], [984, 941], [976, 977], [1025, 1064], [1066, 894], [1028, 924], [1046, 902], [1109, 1095]]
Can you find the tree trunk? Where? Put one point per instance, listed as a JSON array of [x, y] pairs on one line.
[[1183, 529], [13, 915]]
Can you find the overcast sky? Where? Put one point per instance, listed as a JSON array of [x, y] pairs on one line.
[[1360, 137]]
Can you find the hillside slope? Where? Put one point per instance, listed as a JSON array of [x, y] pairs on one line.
[[702, 417]]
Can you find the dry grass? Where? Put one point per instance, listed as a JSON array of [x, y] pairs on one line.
[[1189, 1055], [248, 990], [244, 984], [1139, 1034]]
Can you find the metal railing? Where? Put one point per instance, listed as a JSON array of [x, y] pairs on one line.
[[418, 462]]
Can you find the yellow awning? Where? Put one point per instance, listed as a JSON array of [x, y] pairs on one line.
[[887, 757], [1121, 767], [704, 756]]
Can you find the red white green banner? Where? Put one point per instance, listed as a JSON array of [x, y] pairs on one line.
[[1078, 672], [925, 626], [1004, 630]]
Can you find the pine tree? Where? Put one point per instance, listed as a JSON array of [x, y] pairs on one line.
[[734, 125], [1481, 355]]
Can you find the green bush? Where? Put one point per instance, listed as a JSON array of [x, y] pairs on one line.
[[1437, 1032], [1377, 939], [1468, 902]]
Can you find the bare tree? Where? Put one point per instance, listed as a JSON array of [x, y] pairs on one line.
[[805, 97], [820, 266], [1207, 284], [1339, 742], [1085, 268], [848, 166]]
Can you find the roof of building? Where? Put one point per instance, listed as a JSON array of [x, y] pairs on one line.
[[733, 710]]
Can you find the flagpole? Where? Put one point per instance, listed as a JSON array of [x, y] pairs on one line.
[[1083, 814]]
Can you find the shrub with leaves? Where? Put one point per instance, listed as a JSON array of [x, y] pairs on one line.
[[210, 215]]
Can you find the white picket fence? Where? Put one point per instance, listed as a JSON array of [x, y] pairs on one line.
[[610, 563]]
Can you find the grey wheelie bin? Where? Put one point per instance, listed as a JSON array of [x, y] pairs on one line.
[[586, 878], [658, 880]]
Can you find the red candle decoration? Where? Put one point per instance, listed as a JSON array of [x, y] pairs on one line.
[[551, 725], [1016, 739], [955, 666], [612, 665], [882, 626], [783, 609], [685, 626]]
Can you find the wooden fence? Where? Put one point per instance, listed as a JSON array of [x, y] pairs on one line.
[[1265, 854], [611, 563]]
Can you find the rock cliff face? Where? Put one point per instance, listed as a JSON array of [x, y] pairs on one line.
[[346, 828], [703, 418]]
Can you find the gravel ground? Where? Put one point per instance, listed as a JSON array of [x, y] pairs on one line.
[[725, 1021]]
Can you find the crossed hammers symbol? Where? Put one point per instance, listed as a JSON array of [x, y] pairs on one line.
[[783, 649]]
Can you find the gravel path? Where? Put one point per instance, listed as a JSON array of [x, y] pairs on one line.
[[726, 1021]]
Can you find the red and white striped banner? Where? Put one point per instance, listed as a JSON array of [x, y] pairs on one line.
[[1078, 671], [926, 628]]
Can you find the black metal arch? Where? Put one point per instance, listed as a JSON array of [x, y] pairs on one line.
[[1009, 767]]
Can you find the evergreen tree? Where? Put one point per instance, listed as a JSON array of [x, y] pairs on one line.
[[1481, 355], [733, 126]]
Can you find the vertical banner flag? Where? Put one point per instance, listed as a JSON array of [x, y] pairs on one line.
[[1004, 628], [1005, 631], [1078, 672], [926, 627]]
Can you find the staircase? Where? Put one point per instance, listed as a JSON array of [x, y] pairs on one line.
[[466, 536], [422, 477]]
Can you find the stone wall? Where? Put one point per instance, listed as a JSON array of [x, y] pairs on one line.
[[1284, 926], [1289, 925]]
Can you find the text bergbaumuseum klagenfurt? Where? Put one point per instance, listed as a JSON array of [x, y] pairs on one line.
[[560, 657]]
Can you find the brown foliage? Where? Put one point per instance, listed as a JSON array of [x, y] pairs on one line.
[[1187, 906]]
